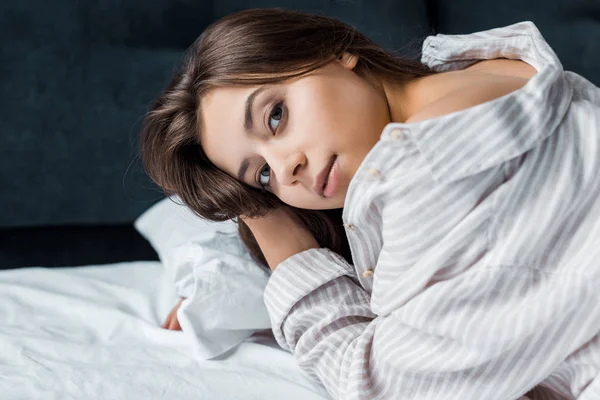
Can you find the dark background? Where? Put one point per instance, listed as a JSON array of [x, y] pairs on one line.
[[76, 78]]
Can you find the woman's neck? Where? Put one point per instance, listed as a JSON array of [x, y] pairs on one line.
[[406, 98]]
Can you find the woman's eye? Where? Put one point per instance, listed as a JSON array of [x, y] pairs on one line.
[[264, 176], [276, 116]]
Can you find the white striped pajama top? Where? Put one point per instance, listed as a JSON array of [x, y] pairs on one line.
[[476, 245]]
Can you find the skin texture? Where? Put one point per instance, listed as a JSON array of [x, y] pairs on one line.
[[330, 112], [171, 322], [300, 124], [280, 235]]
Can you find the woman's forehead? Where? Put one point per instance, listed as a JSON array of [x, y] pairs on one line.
[[222, 105], [222, 94], [222, 130]]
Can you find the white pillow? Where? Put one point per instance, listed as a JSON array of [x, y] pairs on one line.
[[211, 267]]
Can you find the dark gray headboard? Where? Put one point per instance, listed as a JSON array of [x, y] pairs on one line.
[[77, 78]]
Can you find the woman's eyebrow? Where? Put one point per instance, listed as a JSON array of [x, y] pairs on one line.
[[243, 168], [248, 123], [248, 126]]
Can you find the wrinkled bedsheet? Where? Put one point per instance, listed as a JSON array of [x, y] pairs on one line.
[[93, 332]]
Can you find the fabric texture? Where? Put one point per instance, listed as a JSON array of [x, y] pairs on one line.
[[475, 238], [94, 333], [212, 269], [68, 246], [571, 27], [397, 25], [78, 77]]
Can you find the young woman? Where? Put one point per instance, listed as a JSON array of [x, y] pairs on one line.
[[470, 190]]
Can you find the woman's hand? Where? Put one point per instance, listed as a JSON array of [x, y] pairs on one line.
[[171, 322], [280, 235]]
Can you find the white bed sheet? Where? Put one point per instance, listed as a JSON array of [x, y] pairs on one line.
[[94, 332]]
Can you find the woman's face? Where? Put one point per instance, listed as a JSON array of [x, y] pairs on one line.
[[286, 137]]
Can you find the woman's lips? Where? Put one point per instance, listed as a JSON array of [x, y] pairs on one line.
[[332, 181], [321, 178]]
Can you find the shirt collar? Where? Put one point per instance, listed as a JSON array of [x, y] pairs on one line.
[[468, 141]]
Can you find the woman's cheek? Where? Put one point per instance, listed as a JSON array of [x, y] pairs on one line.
[[288, 198], [291, 197]]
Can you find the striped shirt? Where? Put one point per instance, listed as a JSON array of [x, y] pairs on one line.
[[475, 238]]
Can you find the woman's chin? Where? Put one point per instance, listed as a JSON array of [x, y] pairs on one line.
[[333, 203], [320, 203]]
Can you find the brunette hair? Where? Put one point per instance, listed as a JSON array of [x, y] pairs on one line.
[[251, 47]]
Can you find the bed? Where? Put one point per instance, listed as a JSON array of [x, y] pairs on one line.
[[82, 292], [93, 332]]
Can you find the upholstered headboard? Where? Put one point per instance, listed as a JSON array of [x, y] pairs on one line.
[[77, 78]]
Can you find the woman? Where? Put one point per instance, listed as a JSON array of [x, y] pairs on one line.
[[469, 184]]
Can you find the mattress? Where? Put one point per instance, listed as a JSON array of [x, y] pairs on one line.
[[93, 332]]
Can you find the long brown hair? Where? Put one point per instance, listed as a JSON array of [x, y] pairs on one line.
[[251, 47]]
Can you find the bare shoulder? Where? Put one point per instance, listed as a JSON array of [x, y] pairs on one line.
[[503, 66], [480, 83]]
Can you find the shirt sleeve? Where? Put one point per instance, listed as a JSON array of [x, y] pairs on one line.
[[492, 332], [492, 132]]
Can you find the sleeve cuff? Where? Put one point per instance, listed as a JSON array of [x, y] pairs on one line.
[[299, 275]]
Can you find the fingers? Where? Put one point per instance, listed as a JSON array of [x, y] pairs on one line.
[[167, 322], [171, 322], [174, 326]]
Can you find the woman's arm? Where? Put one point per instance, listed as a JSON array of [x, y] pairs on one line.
[[320, 313], [280, 235]]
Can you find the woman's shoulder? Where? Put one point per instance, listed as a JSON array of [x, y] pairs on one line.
[[504, 66], [481, 82]]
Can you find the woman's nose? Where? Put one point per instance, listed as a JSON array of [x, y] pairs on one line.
[[290, 166]]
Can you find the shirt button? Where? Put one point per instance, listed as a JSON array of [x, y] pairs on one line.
[[349, 226], [368, 273], [375, 173], [396, 134]]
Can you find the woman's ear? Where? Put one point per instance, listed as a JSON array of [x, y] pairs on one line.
[[348, 60]]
